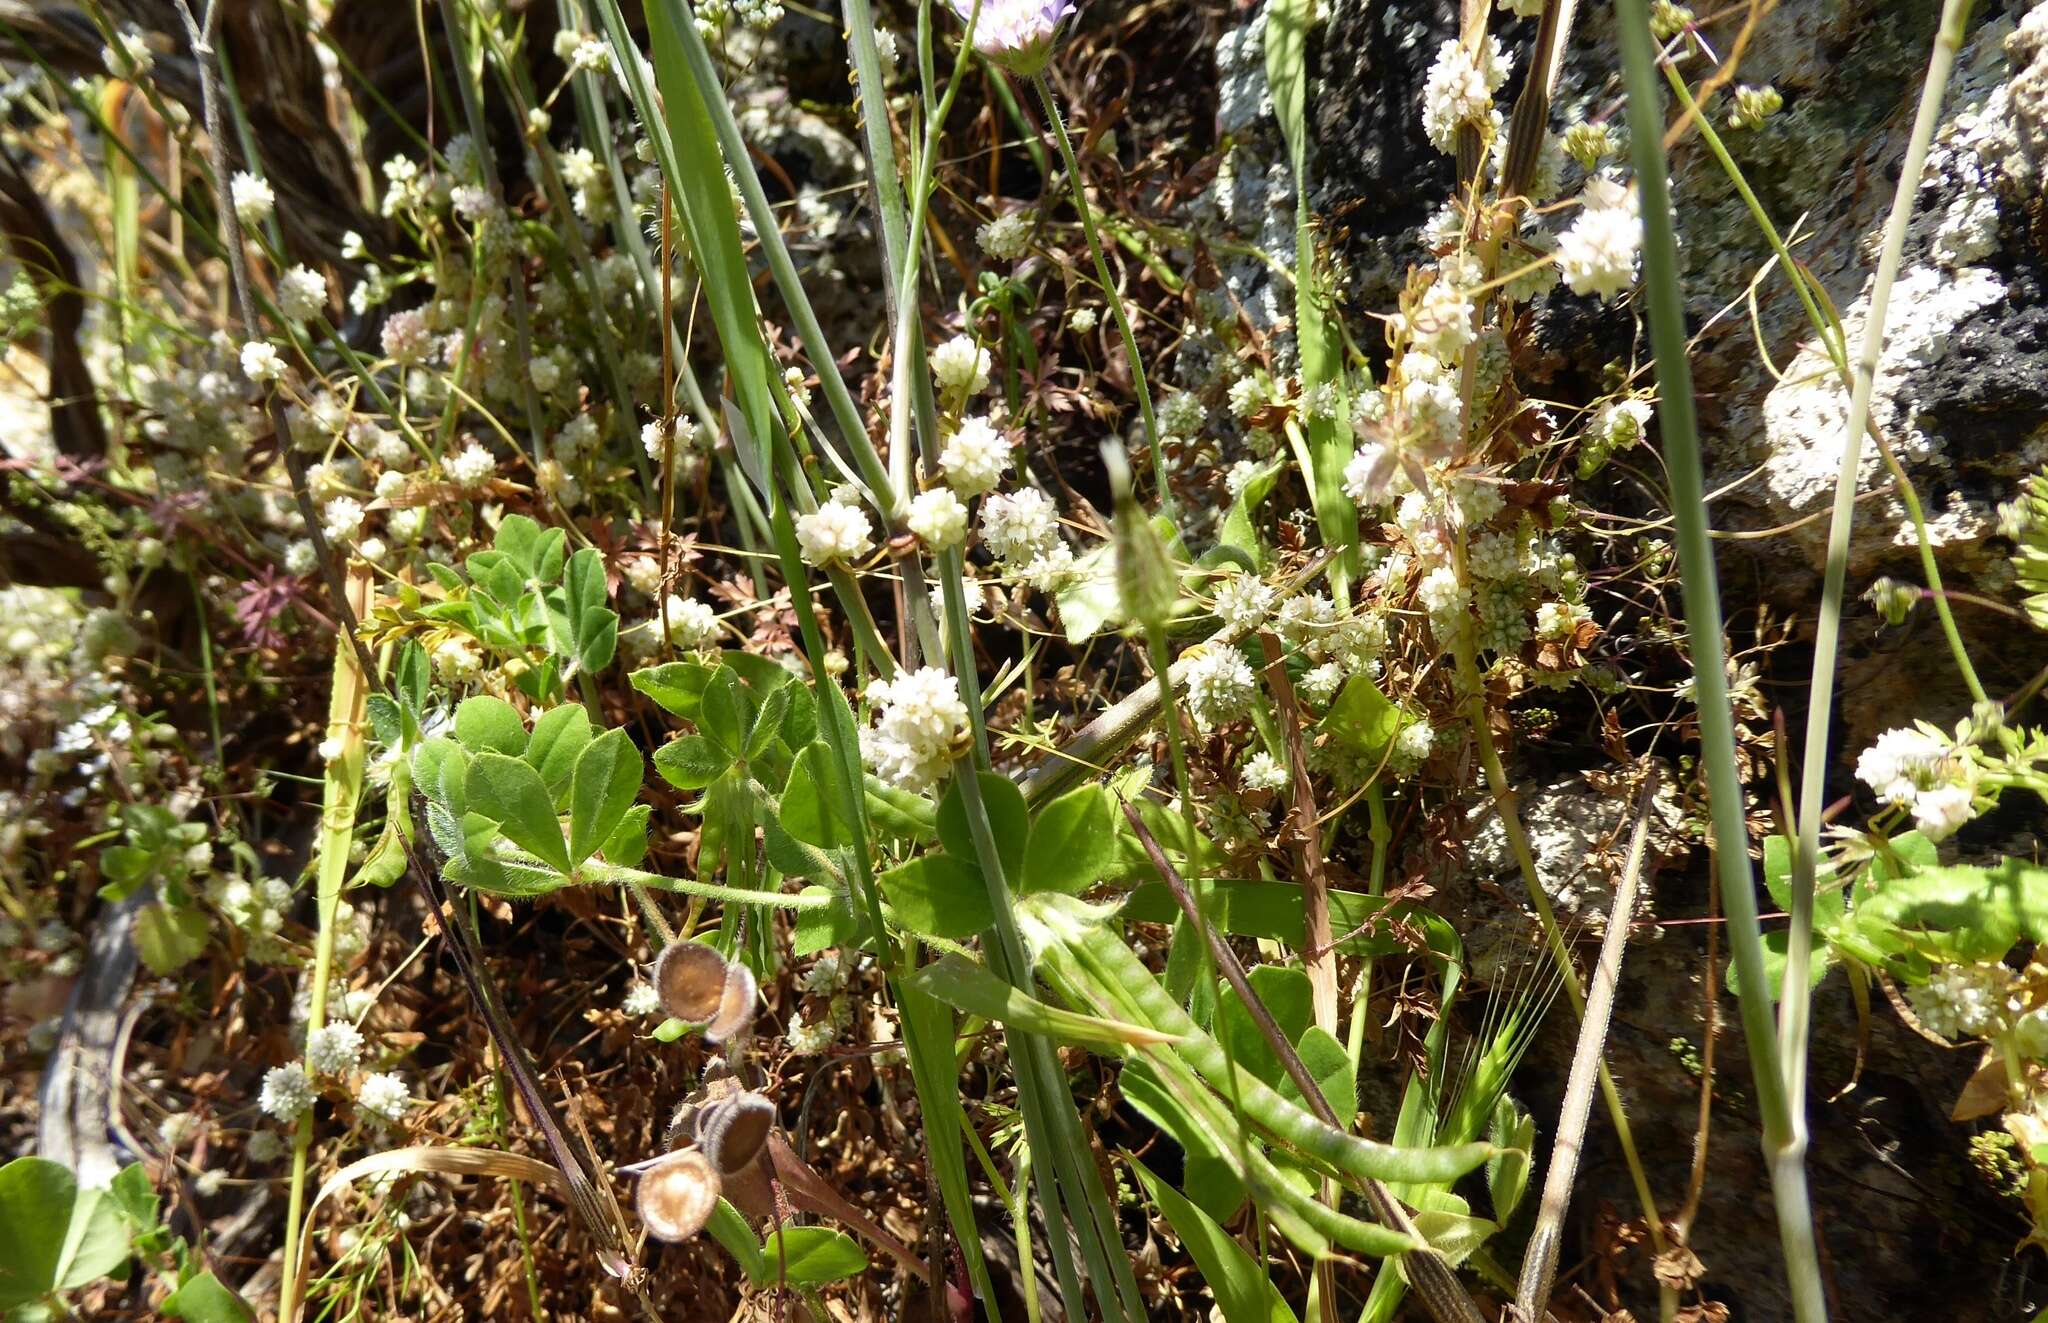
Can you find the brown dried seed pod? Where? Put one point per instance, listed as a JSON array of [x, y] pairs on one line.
[[733, 1132], [690, 980], [677, 1194], [735, 1005]]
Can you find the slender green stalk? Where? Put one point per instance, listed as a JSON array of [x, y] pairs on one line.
[[908, 322], [1680, 429], [347, 699], [1796, 997], [1079, 187], [594, 870]]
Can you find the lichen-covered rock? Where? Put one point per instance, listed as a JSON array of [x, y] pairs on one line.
[[1962, 385], [1579, 834]]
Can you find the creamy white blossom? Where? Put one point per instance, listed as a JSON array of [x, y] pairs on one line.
[[286, 1092], [1441, 323], [1019, 526], [975, 457], [261, 362], [1597, 253], [1460, 89], [1007, 237], [919, 719], [342, 519], [301, 294], [253, 198], [1243, 600], [471, 466], [691, 623], [834, 534], [1901, 763], [1939, 812], [1441, 594], [1220, 686], [938, 518], [960, 366], [1414, 741], [1961, 1001], [333, 1049], [384, 1095], [1264, 772]]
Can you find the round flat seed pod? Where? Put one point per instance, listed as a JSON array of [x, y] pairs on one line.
[[735, 1004], [732, 1133], [690, 980], [677, 1194]]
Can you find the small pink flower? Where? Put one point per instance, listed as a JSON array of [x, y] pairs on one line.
[[1016, 34]]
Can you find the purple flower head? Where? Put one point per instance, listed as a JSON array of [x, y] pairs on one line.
[[1016, 34]]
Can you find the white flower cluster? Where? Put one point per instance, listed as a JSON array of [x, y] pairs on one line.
[[1414, 741], [975, 457], [1444, 598], [301, 294], [252, 198], [1262, 771], [960, 366], [1007, 237], [691, 623], [384, 1095], [919, 718], [938, 518], [1460, 90], [1961, 1001], [1597, 254], [342, 520], [472, 466], [1441, 323], [334, 1049], [641, 999], [1349, 641], [836, 533], [286, 1092], [1019, 527], [1220, 686], [1918, 768], [261, 362], [1183, 414], [1243, 601]]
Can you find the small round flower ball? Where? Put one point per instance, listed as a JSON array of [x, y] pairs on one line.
[[286, 1092], [253, 198], [960, 366], [975, 458], [834, 534], [644, 574], [1007, 237], [691, 623], [384, 1096], [407, 338], [334, 1048], [939, 518], [261, 362], [472, 466], [301, 294], [342, 520]]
